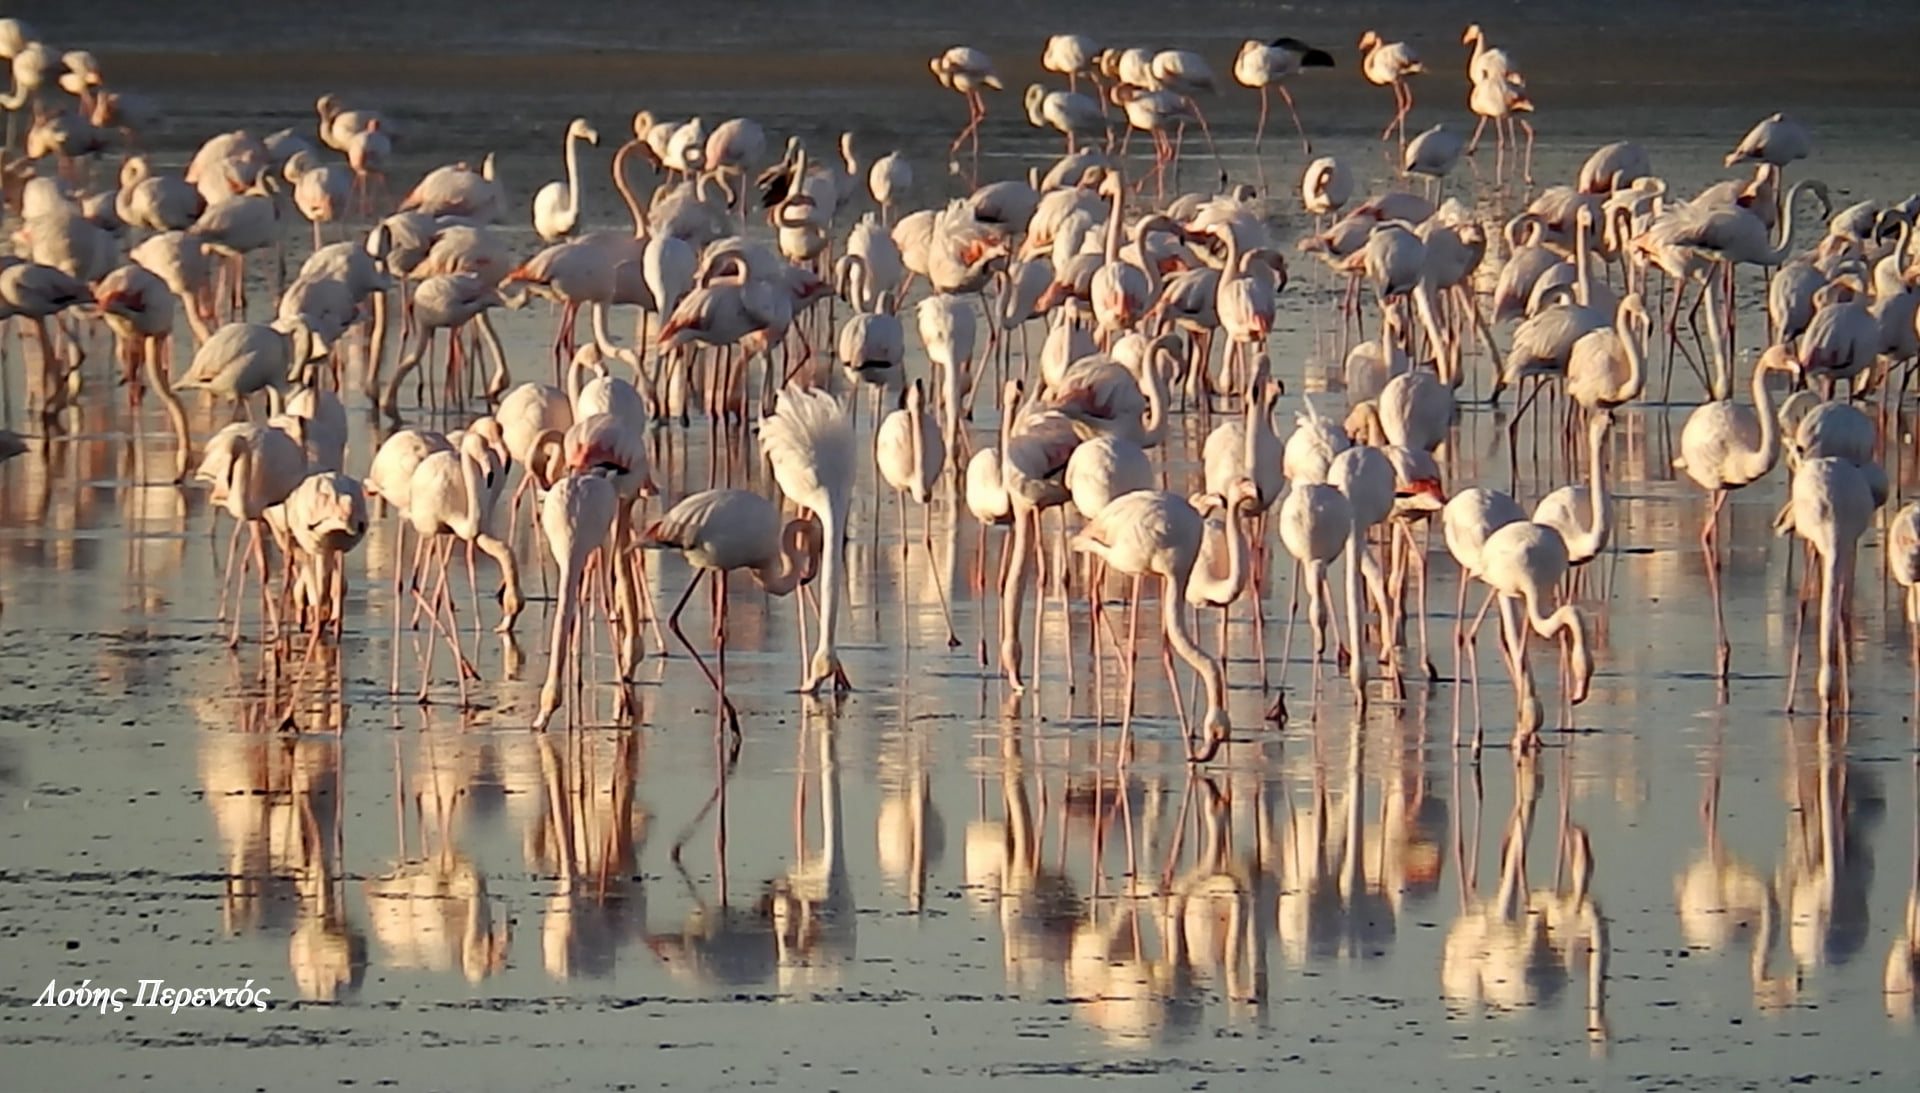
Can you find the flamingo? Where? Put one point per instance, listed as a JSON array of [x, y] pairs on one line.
[[1325, 187], [1776, 140], [453, 492], [911, 455], [948, 329], [326, 516], [1498, 101], [1316, 524], [448, 302], [1903, 563], [1583, 514], [1152, 533], [1614, 166], [241, 359], [966, 70], [458, 190], [722, 530], [1072, 56], [1523, 563], [1833, 504], [251, 469], [1488, 63], [1267, 67], [390, 479], [527, 413], [236, 226], [576, 516], [1388, 64], [809, 442], [556, 206], [159, 202], [1434, 153], [1725, 446], [1365, 476], [1070, 112], [888, 180], [1607, 368]]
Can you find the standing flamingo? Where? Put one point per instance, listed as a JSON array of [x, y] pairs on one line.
[[576, 516], [911, 456], [1833, 504], [1151, 533], [1524, 563], [1388, 64], [251, 469], [723, 530], [1725, 446], [556, 206], [1267, 68], [966, 70]]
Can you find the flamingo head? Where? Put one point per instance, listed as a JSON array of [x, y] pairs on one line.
[[1422, 494], [1369, 41], [1779, 358], [1472, 35]]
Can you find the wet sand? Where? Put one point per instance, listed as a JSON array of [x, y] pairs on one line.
[[926, 885]]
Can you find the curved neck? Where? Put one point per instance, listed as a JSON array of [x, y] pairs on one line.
[[833, 526], [1600, 506], [1153, 384], [239, 474], [626, 191], [1231, 268], [1636, 353], [1760, 462], [857, 282], [1174, 619], [467, 524], [1223, 591], [573, 172], [1779, 251], [794, 564]]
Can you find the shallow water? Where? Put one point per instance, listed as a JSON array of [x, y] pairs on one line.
[[927, 883]]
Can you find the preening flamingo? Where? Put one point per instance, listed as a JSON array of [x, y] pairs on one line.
[[809, 442]]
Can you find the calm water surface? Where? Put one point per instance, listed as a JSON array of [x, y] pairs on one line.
[[928, 884]]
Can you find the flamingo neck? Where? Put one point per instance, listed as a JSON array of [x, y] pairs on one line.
[[1636, 352], [781, 576], [1762, 461], [573, 174], [626, 190], [1223, 591]]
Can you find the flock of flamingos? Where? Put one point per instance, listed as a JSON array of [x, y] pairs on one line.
[[738, 261]]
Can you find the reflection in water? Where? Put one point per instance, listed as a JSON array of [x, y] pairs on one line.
[[1827, 867], [581, 828], [433, 912], [1519, 948], [1724, 900], [912, 835], [276, 805], [811, 905]]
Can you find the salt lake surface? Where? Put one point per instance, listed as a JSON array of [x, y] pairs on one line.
[[930, 884]]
